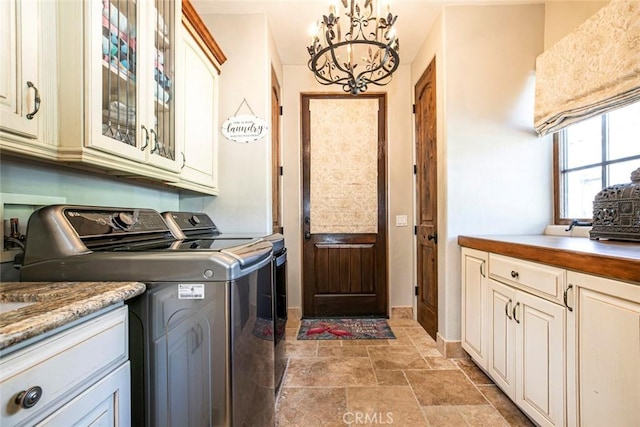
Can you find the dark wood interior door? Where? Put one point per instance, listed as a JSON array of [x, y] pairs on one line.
[[276, 163], [344, 205], [426, 198]]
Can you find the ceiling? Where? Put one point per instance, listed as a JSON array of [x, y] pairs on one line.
[[290, 21]]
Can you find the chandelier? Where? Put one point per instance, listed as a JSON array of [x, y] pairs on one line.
[[367, 54]]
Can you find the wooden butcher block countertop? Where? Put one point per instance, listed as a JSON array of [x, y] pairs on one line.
[[607, 258]]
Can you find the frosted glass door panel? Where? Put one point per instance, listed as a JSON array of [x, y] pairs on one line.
[[119, 55], [344, 166]]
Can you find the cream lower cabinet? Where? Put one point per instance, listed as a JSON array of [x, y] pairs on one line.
[[474, 304], [79, 376], [604, 350], [526, 351], [513, 326]]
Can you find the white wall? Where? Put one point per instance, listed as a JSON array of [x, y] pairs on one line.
[[562, 17], [494, 172], [244, 203], [298, 80]]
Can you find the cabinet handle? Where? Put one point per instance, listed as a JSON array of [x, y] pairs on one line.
[[36, 98], [184, 160], [514, 274], [28, 398], [506, 309], [565, 297], [154, 136], [514, 312], [482, 269], [146, 138]]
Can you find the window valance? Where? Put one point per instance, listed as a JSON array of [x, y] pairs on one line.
[[592, 70]]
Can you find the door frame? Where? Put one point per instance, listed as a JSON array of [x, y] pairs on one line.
[[383, 202]]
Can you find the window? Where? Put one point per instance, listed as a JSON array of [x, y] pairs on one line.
[[594, 154]]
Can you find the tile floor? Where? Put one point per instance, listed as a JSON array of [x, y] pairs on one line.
[[401, 382]]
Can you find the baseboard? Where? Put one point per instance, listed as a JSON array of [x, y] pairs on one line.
[[450, 349], [294, 313], [401, 313]]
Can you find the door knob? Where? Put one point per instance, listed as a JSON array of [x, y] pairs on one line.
[[433, 236]]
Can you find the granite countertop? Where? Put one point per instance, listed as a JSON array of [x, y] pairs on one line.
[[55, 304], [607, 258]]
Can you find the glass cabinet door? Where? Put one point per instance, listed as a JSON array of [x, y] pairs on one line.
[[119, 71], [163, 29]]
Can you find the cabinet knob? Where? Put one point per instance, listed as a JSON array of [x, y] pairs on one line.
[[28, 398], [514, 274]]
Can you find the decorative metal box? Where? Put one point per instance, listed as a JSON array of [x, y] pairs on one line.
[[616, 211]]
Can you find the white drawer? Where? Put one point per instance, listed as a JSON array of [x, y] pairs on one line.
[[540, 279], [62, 365]]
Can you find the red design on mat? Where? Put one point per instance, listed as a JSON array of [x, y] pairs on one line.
[[330, 329]]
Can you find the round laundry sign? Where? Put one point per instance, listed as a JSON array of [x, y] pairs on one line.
[[244, 128]]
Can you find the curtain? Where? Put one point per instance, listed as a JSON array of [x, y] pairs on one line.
[[592, 70]]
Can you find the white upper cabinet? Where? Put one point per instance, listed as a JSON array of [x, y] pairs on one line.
[[200, 59], [26, 95], [125, 85]]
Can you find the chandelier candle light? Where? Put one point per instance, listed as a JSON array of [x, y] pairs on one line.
[[368, 53]]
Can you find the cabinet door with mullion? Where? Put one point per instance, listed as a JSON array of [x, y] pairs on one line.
[[114, 74], [164, 22]]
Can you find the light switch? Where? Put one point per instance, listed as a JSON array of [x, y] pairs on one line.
[[401, 220]]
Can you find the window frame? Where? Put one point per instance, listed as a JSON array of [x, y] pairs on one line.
[[558, 139]]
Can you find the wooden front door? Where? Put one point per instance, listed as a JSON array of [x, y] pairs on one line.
[[426, 200], [344, 205]]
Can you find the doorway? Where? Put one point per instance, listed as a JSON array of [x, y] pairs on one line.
[[344, 205], [276, 163], [426, 200]]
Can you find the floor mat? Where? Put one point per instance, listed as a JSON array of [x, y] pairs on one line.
[[344, 329]]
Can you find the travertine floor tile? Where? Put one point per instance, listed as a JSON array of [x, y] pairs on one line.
[[329, 372], [444, 387], [330, 382], [403, 323], [505, 406], [482, 416], [386, 378], [311, 407], [295, 348], [474, 373], [443, 416], [364, 343], [397, 357], [335, 351], [384, 405], [440, 363], [402, 338]]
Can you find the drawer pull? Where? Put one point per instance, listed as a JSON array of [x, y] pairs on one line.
[[482, 270], [565, 297], [506, 309], [28, 398], [514, 312], [514, 274]]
